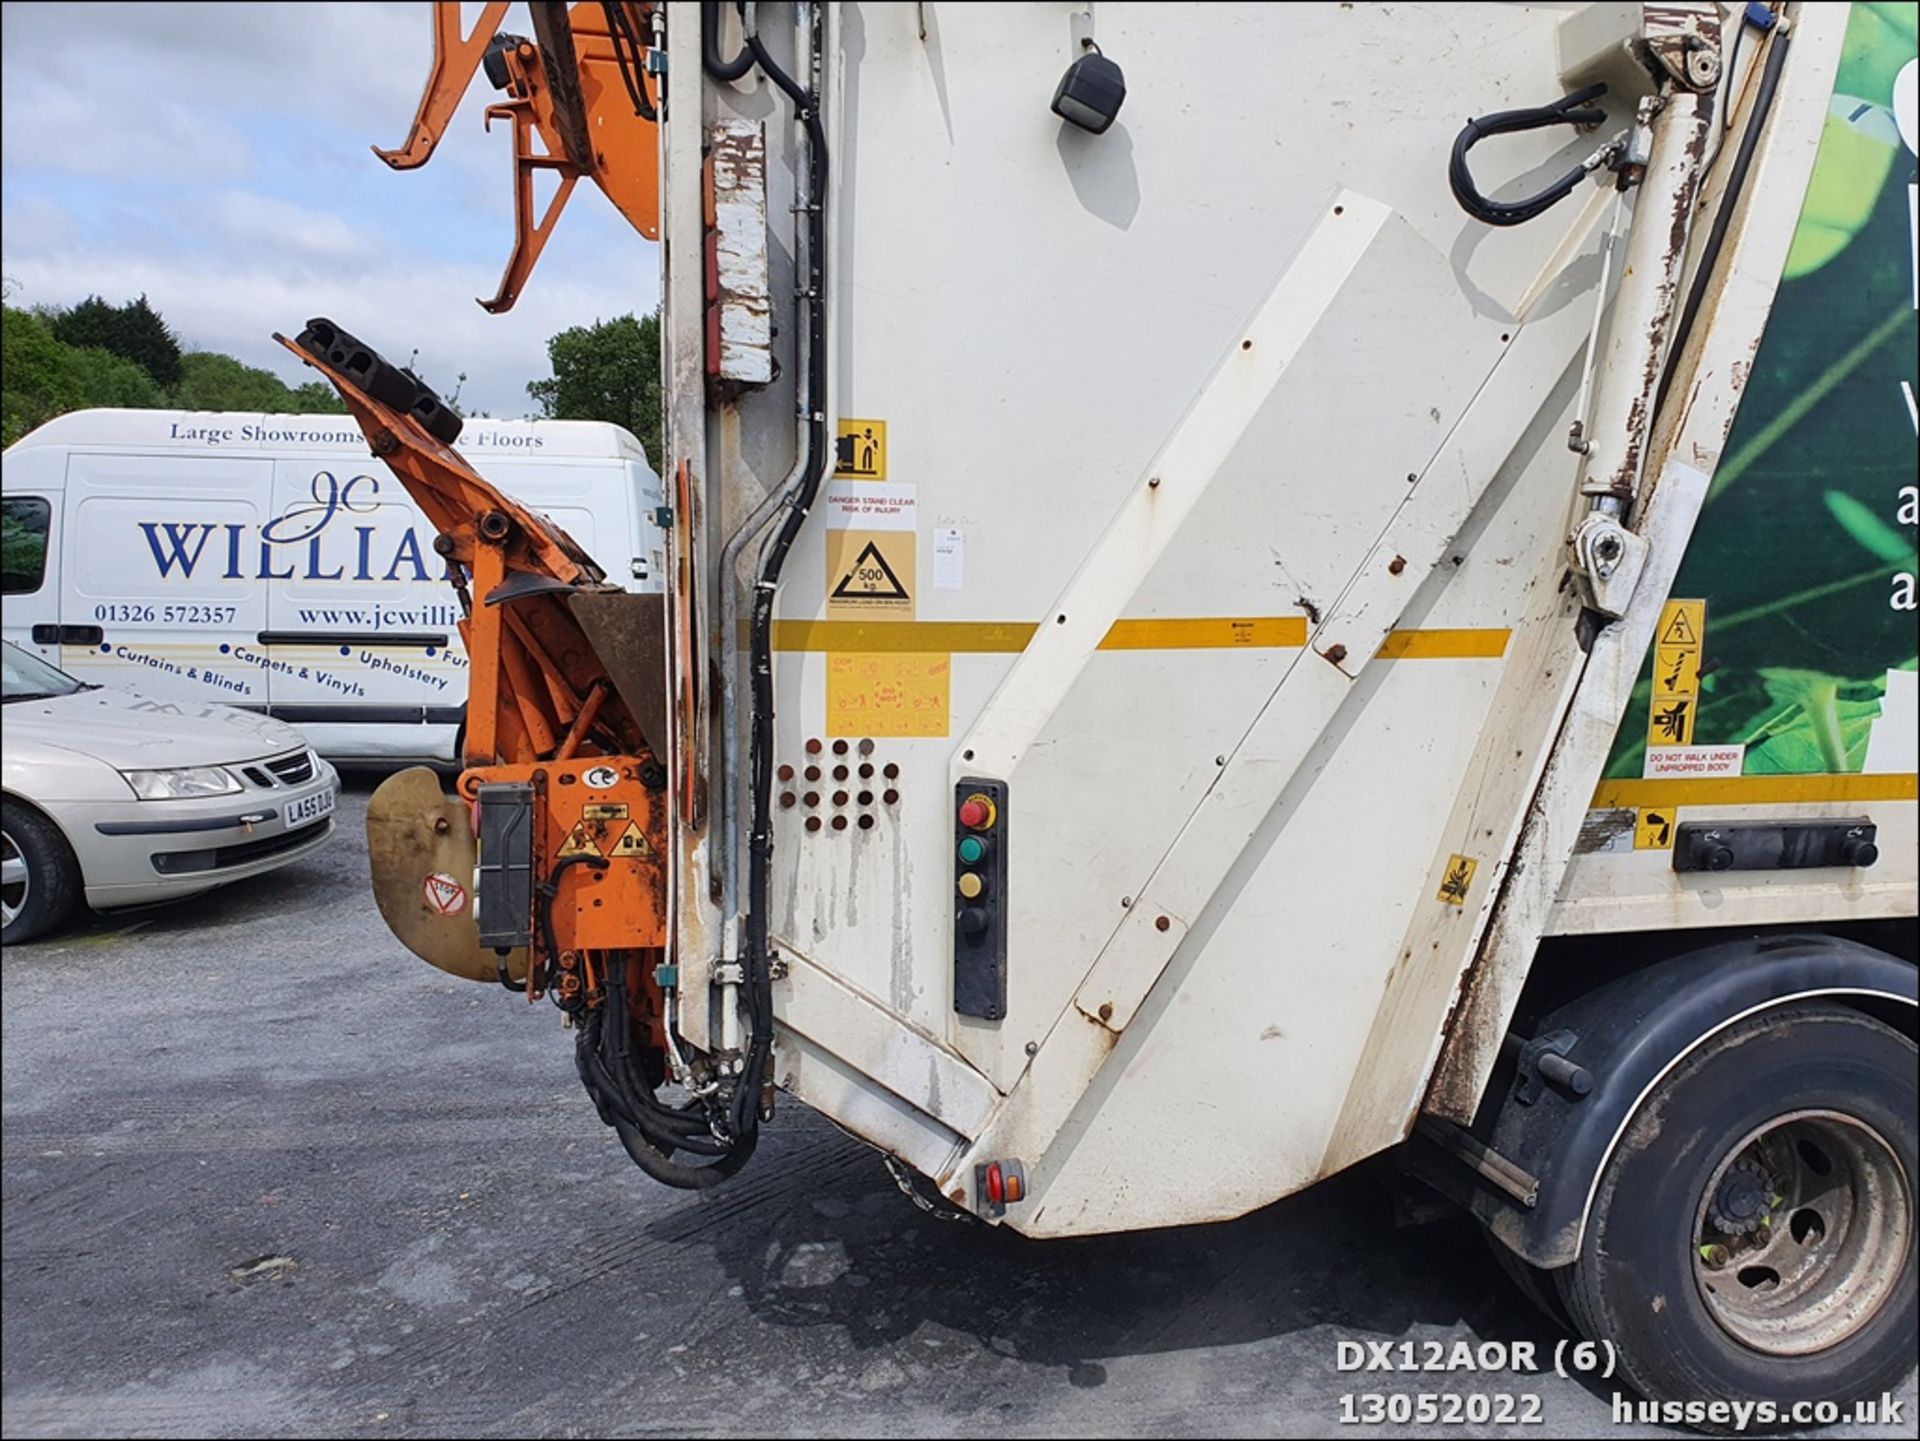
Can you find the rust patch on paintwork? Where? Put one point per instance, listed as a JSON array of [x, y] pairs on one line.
[[1335, 653], [1625, 478], [1396, 565], [1453, 1091], [1108, 1035]]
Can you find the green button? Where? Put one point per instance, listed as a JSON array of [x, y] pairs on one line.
[[972, 850]]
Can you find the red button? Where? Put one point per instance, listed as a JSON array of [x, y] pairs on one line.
[[976, 813]]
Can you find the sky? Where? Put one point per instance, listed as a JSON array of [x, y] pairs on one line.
[[215, 158]]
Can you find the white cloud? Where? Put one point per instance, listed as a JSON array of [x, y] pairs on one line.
[[142, 134], [215, 158], [280, 227]]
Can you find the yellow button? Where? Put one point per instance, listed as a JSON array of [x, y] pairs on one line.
[[970, 885]]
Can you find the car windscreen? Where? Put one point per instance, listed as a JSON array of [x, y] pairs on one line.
[[27, 677]]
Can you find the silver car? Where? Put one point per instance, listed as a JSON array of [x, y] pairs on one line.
[[122, 799]]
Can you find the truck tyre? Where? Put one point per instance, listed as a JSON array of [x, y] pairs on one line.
[[39, 881], [1541, 1288], [1752, 1235]]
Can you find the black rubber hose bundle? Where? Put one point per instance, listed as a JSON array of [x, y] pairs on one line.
[[758, 952], [1729, 201], [1565, 111], [629, 51], [722, 70]]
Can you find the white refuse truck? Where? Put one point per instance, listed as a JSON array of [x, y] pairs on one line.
[[264, 561], [1225, 619]]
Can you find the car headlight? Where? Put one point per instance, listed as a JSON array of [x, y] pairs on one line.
[[183, 784]]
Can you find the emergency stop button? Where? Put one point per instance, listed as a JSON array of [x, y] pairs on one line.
[[978, 812]]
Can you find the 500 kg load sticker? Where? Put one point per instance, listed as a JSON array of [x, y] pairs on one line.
[[870, 574]]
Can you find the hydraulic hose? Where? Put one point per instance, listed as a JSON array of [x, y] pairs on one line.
[[1729, 201], [723, 70], [757, 955], [1565, 111]]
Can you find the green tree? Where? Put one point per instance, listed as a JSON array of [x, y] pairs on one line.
[[133, 331], [44, 377], [212, 381], [610, 371]]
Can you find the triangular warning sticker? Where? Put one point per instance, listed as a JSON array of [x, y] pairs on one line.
[[1679, 631], [579, 843], [631, 843], [870, 578]]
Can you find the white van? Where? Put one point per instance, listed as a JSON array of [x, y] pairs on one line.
[[269, 562]]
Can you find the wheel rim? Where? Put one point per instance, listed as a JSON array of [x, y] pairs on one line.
[[15, 880], [1802, 1233]]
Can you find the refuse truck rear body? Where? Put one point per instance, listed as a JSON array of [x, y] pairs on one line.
[[1221, 624]]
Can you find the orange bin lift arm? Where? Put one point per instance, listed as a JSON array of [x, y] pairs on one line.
[[580, 85], [455, 58], [539, 689]]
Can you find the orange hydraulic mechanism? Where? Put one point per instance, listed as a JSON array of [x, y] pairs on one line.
[[548, 873], [582, 84]]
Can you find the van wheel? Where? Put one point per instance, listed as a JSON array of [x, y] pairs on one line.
[[1753, 1233], [39, 881]]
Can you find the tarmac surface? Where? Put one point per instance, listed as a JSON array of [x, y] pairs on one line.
[[266, 1174]]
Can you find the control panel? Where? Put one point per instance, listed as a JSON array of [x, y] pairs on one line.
[[980, 899]]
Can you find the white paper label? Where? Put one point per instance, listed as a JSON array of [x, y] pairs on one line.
[[1670, 762], [864, 505], [949, 558]]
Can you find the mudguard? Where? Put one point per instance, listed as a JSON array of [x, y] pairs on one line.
[[1630, 1034]]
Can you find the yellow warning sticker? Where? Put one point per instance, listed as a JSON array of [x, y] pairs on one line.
[[1676, 670], [1678, 641], [870, 574], [632, 842], [1653, 828], [861, 450], [579, 843], [889, 694], [1458, 879], [605, 811], [1682, 622], [1671, 722]]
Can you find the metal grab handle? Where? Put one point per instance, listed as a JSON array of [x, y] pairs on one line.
[[1506, 122]]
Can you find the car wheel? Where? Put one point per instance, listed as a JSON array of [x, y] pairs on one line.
[[1753, 1234], [39, 880]]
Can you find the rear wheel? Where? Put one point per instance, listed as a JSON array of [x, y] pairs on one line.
[[39, 881], [1753, 1234]]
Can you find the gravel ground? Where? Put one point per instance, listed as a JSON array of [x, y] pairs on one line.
[[266, 1174]]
